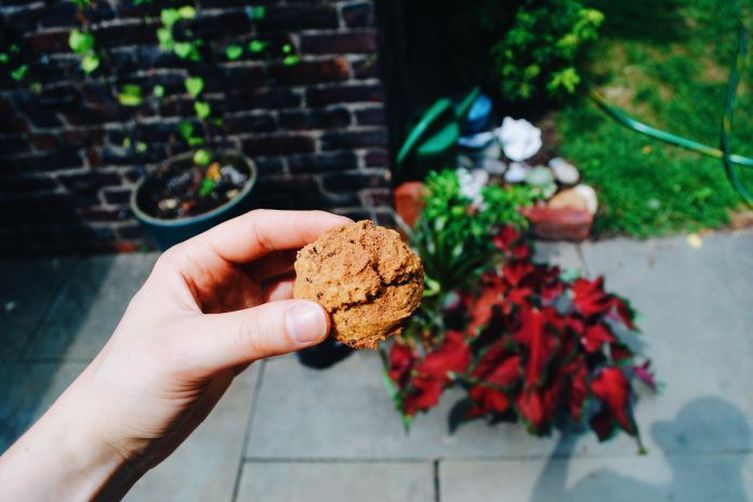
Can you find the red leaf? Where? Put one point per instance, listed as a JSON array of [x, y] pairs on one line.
[[603, 425], [531, 408], [624, 311], [578, 388], [595, 336], [611, 386], [506, 238], [620, 352], [514, 273], [590, 298], [423, 395], [537, 338], [453, 355], [488, 399], [482, 310], [401, 359]]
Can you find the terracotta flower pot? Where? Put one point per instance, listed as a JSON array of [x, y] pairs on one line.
[[409, 201], [564, 223]]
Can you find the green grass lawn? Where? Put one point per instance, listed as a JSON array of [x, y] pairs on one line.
[[665, 62]]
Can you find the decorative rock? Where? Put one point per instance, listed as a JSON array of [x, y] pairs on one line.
[[465, 162], [516, 173], [167, 204], [542, 179], [493, 166], [569, 198], [519, 138], [563, 171], [236, 177], [476, 141], [589, 194]]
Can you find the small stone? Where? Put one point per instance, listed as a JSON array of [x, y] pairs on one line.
[[465, 162], [542, 179], [589, 194], [167, 204], [232, 194], [10, 306], [493, 166], [235, 176], [564, 172], [695, 241], [516, 173], [568, 198]]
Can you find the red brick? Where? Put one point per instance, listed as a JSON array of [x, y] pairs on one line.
[[339, 43]]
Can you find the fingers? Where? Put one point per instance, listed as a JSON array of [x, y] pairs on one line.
[[257, 233], [221, 341], [281, 289]]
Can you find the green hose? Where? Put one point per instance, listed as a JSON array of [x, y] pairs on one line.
[[730, 160]]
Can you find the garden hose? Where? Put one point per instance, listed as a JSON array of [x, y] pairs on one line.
[[730, 160]]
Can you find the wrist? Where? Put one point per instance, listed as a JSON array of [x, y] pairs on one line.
[[72, 460]]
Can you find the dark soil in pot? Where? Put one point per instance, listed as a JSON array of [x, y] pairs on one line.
[[182, 188]]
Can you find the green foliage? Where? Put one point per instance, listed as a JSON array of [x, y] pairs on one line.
[[130, 95], [20, 72], [452, 237], [82, 43], [187, 130], [538, 56], [202, 157], [674, 80], [258, 12], [203, 109], [194, 86], [158, 91], [233, 52], [257, 46]]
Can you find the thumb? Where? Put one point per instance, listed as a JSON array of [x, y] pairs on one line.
[[226, 340]]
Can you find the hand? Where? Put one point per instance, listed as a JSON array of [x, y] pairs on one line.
[[211, 306]]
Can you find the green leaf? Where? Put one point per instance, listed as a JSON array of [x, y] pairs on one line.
[[292, 59], [203, 109], [186, 129], [202, 157], [183, 49], [287, 48], [20, 72], [233, 52], [4, 57], [165, 37], [169, 17], [187, 12], [207, 185], [80, 41], [258, 12], [158, 91], [257, 46], [195, 141], [130, 95], [89, 62], [126, 143], [140, 147], [36, 87], [194, 86]]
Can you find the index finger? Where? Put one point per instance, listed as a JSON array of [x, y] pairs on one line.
[[256, 233]]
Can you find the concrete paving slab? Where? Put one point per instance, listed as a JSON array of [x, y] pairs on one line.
[[345, 412], [205, 467], [696, 317], [701, 478], [337, 482], [566, 255], [89, 306], [28, 390], [26, 289]]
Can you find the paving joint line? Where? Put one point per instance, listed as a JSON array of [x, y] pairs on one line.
[[247, 432]]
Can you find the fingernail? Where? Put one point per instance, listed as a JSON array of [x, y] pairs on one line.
[[306, 323]]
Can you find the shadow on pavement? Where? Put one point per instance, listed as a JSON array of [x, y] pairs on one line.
[[700, 474], [35, 337]]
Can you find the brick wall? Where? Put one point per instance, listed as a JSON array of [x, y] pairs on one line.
[[316, 130]]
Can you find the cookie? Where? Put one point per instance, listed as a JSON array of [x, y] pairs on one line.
[[366, 277]]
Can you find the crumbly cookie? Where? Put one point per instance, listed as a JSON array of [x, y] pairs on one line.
[[366, 277]]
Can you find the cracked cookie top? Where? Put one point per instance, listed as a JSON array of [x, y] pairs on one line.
[[366, 277]]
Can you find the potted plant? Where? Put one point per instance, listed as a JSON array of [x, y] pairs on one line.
[[526, 342], [207, 183]]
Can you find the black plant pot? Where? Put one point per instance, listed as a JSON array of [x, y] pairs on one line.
[[325, 355], [166, 233]]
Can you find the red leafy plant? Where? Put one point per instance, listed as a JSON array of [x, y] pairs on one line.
[[530, 346]]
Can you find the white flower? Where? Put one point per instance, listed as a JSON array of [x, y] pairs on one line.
[[471, 183], [519, 138]]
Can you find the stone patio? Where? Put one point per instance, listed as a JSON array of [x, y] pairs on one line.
[[285, 432]]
